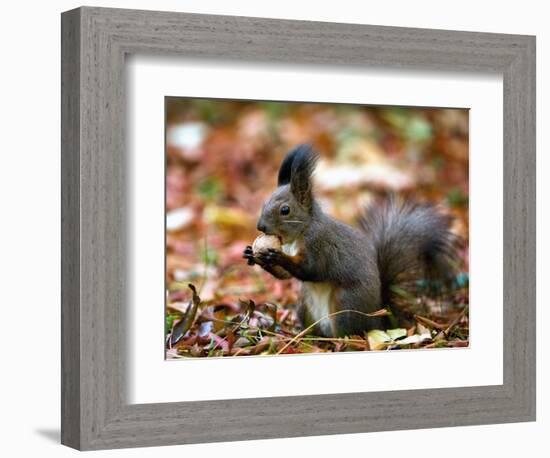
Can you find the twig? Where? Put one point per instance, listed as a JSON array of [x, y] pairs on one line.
[[335, 339], [314, 338], [280, 336], [428, 322], [381, 312], [445, 333]]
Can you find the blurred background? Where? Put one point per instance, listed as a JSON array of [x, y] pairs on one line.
[[222, 162]]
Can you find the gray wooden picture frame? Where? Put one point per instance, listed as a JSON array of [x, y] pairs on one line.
[[95, 41]]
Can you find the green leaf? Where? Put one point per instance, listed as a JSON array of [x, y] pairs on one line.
[[418, 129], [457, 198], [170, 322], [377, 339], [210, 189], [395, 334], [377, 335]]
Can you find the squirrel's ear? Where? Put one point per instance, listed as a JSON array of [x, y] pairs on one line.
[[285, 171], [302, 164]]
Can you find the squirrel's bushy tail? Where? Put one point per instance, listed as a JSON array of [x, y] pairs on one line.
[[412, 241]]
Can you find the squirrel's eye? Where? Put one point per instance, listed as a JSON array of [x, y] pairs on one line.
[[285, 210]]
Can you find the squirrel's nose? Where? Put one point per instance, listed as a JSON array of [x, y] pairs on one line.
[[261, 226]]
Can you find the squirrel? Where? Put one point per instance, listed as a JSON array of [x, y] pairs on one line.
[[347, 273]]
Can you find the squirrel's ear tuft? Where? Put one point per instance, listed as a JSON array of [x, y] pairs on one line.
[[285, 171], [296, 169], [302, 154]]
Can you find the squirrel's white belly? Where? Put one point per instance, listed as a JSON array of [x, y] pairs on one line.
[[317, 298], [290, 249]]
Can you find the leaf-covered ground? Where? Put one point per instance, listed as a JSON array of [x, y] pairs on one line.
[[222, 162]]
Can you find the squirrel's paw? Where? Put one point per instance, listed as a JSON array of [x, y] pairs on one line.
[[270, 257], [248, 254]]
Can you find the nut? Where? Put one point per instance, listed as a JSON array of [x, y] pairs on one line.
[[264, 242]]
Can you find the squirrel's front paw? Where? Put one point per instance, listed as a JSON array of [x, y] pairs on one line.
[[248, 254], [270, 257]]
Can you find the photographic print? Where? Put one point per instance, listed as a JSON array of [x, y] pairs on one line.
[[300, 228]]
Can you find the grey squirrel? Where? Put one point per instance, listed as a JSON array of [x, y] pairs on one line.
[[344, 269]]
